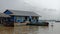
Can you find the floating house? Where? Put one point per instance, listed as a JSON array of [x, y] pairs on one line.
[[3, 18], [17, 16]]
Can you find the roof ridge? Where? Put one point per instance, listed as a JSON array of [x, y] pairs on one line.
[[20, 10]]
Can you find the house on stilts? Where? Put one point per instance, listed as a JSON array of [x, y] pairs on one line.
[[3, 18], [17, 16]]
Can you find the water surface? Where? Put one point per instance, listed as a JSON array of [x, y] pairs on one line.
[[55, 29]]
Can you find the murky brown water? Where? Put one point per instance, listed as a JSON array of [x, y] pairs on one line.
[[31, 29]]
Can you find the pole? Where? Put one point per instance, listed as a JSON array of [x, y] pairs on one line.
[[1, 20]]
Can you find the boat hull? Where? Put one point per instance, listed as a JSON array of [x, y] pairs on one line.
[[38, 24]]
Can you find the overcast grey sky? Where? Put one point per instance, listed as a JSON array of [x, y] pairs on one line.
[[48, 9]]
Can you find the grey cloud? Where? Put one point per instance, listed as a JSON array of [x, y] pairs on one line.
[[48, 9]]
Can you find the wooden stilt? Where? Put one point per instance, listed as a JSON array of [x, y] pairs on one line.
[[1, 20]]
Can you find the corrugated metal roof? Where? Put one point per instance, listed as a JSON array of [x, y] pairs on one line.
[[4, 15], [23, 13]]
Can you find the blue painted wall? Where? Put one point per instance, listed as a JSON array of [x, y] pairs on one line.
[[33, 20], [20, 19]]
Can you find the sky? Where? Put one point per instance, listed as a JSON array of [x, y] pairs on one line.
[[48, 9]]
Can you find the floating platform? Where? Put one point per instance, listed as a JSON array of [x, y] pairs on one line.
[[20, 24], [8, 24]]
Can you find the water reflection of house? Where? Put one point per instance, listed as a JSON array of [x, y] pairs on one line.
[[22, 16]]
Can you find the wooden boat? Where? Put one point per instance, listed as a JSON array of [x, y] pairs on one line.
[[39, 24]]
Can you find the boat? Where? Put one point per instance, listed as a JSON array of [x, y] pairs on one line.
[[39, 24], [57, 21]]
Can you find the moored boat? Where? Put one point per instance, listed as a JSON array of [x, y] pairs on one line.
[[39, 24]]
